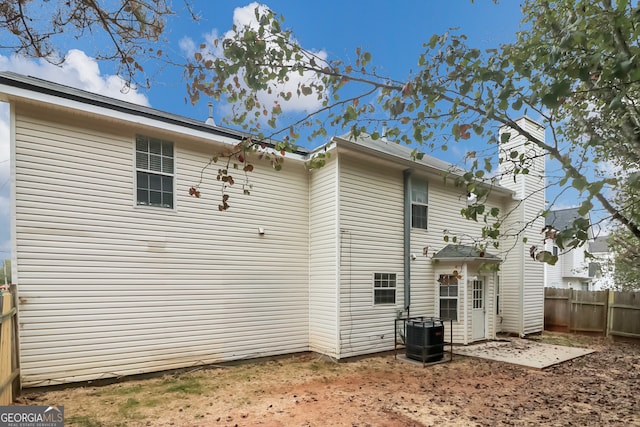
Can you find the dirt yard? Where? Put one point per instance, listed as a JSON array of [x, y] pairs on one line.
[[602, 388]]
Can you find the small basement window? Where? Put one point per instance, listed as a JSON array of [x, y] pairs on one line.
[[384, 288], [154, 172]]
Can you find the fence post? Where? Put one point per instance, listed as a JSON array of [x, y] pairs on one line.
[[6, 388], [611, 296], [15, 344]]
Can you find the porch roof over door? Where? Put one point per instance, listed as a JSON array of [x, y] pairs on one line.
[[453, 252]]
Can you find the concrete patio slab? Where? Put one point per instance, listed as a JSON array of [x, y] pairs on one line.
[[522, 352]]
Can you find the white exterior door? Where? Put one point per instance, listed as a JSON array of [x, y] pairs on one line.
[[478, 312]]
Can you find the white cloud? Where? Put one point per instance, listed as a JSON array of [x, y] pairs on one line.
[[79, 71], [245, 17], [187, 46]]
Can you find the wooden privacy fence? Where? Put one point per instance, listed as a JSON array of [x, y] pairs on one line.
[[9, 369], [610, 313]]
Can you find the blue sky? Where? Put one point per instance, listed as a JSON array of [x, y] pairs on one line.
[[393, 34], [392, 31]]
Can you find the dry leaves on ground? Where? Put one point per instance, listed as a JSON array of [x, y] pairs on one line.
[[306, 390]]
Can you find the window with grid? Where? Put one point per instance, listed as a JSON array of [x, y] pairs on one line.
[[384, 288], [419, 203], [448, 296], [478, 294], [154, 172]]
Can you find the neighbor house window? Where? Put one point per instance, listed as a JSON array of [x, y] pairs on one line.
[[448, 296], [555, 251], [154, 172], [384, 288], [419, 203]]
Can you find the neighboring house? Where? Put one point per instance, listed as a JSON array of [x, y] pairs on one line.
[[602, 266], [119, 271], [571, 271]]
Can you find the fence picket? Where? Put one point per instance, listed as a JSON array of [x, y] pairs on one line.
[[608, 312]]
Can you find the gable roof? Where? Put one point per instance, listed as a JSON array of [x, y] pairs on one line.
[[562, 219], [454, 252], [45, 87], [403, 154], [399, 151], [599, 244], [27, 86]]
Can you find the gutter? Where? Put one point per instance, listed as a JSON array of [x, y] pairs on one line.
[[468, 259]]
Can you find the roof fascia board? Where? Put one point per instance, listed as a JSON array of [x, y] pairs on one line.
[[467, 259]]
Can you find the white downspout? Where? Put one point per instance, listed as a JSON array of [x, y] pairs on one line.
[[338, 259], [407, 239], [465, 314], [15, 278], [522, 272]]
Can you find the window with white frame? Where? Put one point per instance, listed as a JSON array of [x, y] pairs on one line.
[[384, 288], [448, 296], [419, 203], [154, 172]]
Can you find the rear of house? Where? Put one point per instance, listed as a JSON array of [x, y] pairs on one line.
[[385, 216], [381, 190], [120, 271]]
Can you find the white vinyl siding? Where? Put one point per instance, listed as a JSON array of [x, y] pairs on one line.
[[511, 278], [323, 273], [108, 288], [522, 277], [127, 290], [445, 203], [371, 226], [371, 232], [533, 298]]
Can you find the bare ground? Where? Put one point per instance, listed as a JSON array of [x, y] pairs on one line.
[[602, 388]]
